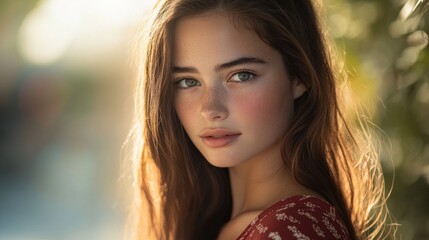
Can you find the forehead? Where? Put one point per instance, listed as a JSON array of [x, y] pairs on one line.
[[213, 36]]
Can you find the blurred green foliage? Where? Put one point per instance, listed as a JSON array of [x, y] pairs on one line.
[[386, 47]]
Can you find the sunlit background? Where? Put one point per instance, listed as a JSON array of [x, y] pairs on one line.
[[66, 103]]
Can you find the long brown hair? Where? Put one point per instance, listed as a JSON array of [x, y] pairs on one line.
[[179, 195]]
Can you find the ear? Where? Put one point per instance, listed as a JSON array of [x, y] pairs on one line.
[[298, 88]]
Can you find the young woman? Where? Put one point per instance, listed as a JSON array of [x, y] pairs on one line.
[[239, 130]]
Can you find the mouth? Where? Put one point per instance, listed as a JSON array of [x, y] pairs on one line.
[[216, 138]]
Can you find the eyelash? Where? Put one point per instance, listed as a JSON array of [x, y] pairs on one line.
[[243, 71], [178, 80], [253, 75]]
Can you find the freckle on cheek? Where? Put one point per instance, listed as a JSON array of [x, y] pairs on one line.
[[186, 108]]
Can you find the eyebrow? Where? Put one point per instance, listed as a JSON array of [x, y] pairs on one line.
[[239, 61]]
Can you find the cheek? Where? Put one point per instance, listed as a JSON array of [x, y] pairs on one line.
[[265, 104], [185, 110], [265, 107], [252, 106]]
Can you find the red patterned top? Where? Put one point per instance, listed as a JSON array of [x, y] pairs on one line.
[[300, 217]]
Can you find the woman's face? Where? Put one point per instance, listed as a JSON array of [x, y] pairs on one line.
[[233, 95]]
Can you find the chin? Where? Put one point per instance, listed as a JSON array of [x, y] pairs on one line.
[[222, 163]]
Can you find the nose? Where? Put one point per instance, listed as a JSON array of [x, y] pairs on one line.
[[213, 104]]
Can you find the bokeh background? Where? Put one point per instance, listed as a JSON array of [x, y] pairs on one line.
[[66, 104]]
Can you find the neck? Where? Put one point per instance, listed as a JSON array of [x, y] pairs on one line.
[[258, 183]]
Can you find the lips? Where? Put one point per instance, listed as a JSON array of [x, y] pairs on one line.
[[218, 137]]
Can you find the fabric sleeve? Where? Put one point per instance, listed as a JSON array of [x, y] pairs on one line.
[[305, 220]]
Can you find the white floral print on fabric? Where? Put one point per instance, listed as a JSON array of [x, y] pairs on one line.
[[307, 214], [298, 217], [287, 206], [274, 236], [283, 216], [331, 228], [318, 230], [296, 233], [261, 228]]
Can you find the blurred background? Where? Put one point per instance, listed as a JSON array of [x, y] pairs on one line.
[[65, 107], [66, 103]]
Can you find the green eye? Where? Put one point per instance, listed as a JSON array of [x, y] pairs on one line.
[[187, 83], [242, 77]]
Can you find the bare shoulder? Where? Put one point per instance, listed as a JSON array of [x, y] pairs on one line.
[[232, 229]]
